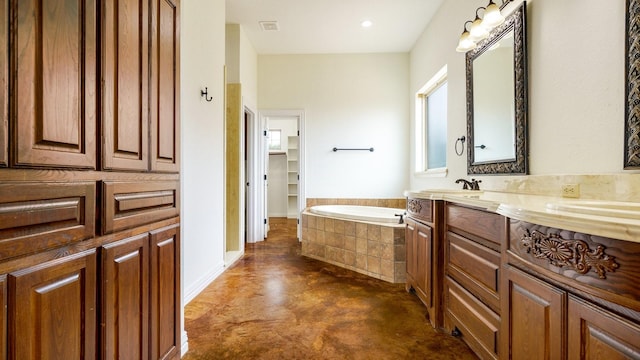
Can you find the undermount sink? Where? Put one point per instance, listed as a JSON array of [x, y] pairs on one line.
[[619, 209]]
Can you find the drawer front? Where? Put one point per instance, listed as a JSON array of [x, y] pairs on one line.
[[476, 267], [486, 225], [478, 324], [130, 204], [420, 209], [35, 217]]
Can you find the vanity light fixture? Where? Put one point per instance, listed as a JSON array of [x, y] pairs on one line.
[[465, 44], [477, 31], [481, 26]]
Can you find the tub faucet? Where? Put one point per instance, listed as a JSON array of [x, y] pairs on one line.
[[469, 185], [401, 221]]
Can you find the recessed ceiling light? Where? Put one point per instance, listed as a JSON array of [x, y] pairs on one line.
[[366, 23]]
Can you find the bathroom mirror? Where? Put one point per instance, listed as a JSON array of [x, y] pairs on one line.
[[632, 88], [497, 100]]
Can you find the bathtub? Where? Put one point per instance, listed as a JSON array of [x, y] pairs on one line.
[[365, 239], [359, 213]]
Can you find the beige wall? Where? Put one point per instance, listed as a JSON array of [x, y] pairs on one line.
[[576, 85], [202, 65], [351, 100]]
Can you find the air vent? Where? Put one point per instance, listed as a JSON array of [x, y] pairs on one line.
[[269, 25]]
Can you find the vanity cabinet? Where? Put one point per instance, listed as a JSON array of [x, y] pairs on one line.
[[570, 295], [424, 255], [472, 283]]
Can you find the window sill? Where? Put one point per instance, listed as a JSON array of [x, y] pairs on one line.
[[439, 172]]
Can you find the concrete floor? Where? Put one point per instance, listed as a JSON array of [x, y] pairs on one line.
[[275, 304]]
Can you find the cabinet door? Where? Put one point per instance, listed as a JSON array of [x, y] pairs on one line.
[[595, 333], [52, 309], [424, 246], [536, 316], [165, 71], [3, 317], [125, 299], [165, 293], [4, 83], [125, 85], [54, 57], [410, 239]]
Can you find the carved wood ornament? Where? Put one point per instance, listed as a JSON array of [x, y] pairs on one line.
[[574, 254], [414, 206]]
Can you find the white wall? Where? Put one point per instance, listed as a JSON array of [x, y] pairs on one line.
[[576, 85], [202, 216], [277, 192], [352, 101]]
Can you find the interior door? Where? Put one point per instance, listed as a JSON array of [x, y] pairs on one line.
[[265, 171]]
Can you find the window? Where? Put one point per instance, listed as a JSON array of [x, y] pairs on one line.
[[275, 142], [431, 125]]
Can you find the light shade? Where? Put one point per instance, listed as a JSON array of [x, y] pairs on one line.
[[492, 16], [466, 43], [477, 30]]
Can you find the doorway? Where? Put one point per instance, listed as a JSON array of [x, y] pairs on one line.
[[283, 176]]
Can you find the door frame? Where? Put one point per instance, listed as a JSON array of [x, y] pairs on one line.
[[258, 191]]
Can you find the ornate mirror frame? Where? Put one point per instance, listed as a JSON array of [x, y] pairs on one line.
[[632, 87], [516, 22]]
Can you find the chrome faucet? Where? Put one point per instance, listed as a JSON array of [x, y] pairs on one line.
[[469, 185]]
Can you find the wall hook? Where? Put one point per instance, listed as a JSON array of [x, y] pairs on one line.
[[205, 93]]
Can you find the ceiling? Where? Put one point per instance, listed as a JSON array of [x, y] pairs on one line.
[[332, 26]]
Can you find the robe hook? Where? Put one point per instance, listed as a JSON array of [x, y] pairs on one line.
[[205, 93]]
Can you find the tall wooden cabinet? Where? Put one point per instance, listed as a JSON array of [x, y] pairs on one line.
[[89, 179], [53, 55], [424, 255]]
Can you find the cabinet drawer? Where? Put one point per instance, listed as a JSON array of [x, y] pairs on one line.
[[485, 225], [130, 204], [34, 217], [477, 323], [476, 267], [420, 209]]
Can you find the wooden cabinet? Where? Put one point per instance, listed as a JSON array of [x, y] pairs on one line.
[[595, 333], [3, 317], [535, 320], [165, 295], [419, 252], [89, 260], [54, 56], [570, 295], [125, 85], [4, 83], [165, 92], [424, 255], [472, 283], [125, 299], [52, 309]]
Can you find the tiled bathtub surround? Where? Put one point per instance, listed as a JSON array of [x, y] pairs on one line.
[[398, 203], [371, 249]]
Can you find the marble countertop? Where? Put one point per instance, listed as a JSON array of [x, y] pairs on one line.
[[596, 217]]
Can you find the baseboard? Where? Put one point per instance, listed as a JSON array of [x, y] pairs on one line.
[[202, 283], [185, 344], [231, 257]]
